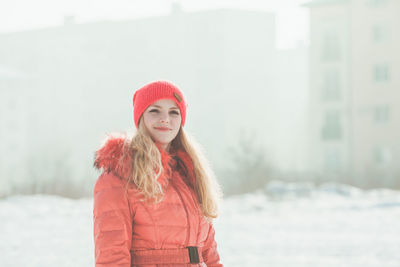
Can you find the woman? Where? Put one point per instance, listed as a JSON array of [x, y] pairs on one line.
[[155, 199]]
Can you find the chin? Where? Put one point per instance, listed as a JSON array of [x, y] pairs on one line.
[[163, 141]]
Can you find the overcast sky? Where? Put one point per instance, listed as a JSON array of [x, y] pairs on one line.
[[17, 15]]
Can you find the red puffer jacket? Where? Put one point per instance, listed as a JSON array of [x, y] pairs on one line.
[[131, 232]]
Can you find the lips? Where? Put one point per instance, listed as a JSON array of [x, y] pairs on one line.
[[164, 129]]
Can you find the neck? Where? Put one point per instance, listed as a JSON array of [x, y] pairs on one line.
[[164, 147]]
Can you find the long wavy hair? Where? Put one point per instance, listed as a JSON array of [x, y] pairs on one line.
[[147, 167]]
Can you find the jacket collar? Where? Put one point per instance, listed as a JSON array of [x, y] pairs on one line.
[[115, 156]]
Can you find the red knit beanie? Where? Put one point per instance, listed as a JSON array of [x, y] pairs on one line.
[[153, 92]]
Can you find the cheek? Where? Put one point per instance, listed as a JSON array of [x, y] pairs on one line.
[[148, 119], [177, 122], [147, 122]]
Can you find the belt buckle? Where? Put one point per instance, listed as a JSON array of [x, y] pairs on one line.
[[193, 254]]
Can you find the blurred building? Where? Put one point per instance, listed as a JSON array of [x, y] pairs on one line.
[[355, 97], [14, 103], [85, 74]]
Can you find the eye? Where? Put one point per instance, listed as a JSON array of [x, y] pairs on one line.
[[154, 110], [174, 112]]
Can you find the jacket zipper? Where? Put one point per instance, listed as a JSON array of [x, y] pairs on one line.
[[194, 198], [187, 214]]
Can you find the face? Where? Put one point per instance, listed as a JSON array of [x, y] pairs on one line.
[[162, 119]]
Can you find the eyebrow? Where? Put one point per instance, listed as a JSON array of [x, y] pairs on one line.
[[157, 106]]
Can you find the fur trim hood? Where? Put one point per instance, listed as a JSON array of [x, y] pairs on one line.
[[115, 156]]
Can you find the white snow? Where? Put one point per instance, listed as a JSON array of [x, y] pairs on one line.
[[295, 225]]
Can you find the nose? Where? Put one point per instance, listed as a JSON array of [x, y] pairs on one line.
[[164, 118]]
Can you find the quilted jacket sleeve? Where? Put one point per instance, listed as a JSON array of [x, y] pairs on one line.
[[112, 223], [210, 253]]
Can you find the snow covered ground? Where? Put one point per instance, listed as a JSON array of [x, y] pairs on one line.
[[295, 225]]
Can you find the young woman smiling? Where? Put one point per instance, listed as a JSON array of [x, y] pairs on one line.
[[156, 197]]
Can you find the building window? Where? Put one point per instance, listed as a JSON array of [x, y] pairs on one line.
[[381, 73], [332, 161], [382, 114], [379, 33], [331, 85], [330, 46], [382, 155], [377, 3], [12, 103], [331, 129], [12, 125]]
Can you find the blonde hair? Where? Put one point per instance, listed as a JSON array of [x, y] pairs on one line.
[[147, 167]]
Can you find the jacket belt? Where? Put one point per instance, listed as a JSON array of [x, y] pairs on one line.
[[167, 256]]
